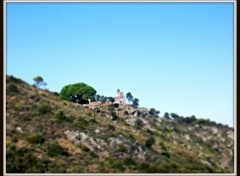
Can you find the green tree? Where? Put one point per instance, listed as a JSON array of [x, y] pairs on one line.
[[38, 81], [175, 116], [149, 142], [103, 99], [135, 102], [97, 97], [166, 115], [154, 112], [111, 99], [79, 90], [129, 97]]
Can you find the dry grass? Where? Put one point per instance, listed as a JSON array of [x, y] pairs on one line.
[[21, 143], [73, 149]]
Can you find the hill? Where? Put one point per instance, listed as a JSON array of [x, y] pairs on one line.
[[45, 134]]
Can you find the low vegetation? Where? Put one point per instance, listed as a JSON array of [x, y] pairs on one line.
[[46, 133]]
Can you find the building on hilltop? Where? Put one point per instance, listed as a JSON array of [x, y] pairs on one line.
[[120, 97]]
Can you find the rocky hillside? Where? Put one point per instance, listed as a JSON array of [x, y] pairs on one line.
[[45, 134]]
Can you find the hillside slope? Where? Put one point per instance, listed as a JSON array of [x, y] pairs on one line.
[[47, 134]]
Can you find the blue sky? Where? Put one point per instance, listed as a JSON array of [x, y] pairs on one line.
[[175, 57]]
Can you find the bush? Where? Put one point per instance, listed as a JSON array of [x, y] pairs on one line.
[[117, 165], [149, 142], [154, 112], [54, 149], [13, 79], [36, 139], [21, 160], [56, 93], [110, 108], [163, 146], [43, 109], [149, 131], [201, 121], [81, 123], [122, 148], [143, 166], [139, 122], [62, 118], [167, 154], [12, 88], [111, 127], [116, 105], [93, 155], [19, 106], [85, 148], [129, 161], [113, 114]]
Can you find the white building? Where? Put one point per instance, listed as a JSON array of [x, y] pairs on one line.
[[120, 97]]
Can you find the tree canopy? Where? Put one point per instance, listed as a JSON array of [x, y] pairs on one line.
[[136, 102], [39, 81], [129, 97], [154, 112], [79, 90]]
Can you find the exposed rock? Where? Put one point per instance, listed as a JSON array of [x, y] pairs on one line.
[[19, 129], [84, 136], [131, 121], [214, 130], [187, 137], [97, 131], [114, 141], [85, 105], [230, 134], [206, 162]]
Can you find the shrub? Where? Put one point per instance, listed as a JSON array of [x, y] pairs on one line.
[[36, 139], [167, 154], [62, 118], [13, 79], [36, 98], [131, 136], [117, 165], [149, 142], [113, 114], [163, 146], [56, 93], [93, 154], [116, 105], [54, 149], [139, 123], [19, 160], [111, 127], [19, 106], [121, 148], [85, 148], [12, 88], [154, 112], [110, 108], [26, 118], [143, 166], [149, 131], [201, 121], [81, 123], [129, 161], [43, 109]]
